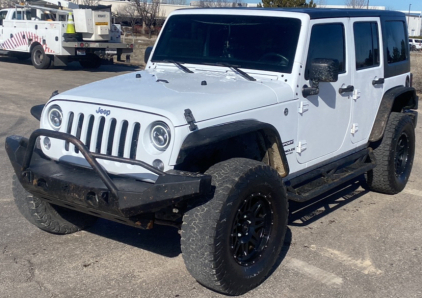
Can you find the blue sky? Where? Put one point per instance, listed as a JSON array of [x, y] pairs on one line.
[[389, 4]]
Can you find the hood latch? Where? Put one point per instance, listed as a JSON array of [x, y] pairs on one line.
[[190, 119]]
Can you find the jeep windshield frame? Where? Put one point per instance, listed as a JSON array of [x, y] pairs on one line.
[[250, 42]]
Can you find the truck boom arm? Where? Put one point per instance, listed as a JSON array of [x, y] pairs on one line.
[[59, 3]]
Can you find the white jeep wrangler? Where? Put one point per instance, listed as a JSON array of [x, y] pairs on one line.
[[237, 112]]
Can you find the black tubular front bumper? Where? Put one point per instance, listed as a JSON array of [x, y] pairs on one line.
[[93, 190]]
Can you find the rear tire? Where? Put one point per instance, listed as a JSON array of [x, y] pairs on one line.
[[39, 59], [92, 61], [48, 217], [231, 241], [394, 156]]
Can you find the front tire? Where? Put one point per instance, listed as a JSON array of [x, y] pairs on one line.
[[394, 156], [39, 59], [231, 242], [48, 217]]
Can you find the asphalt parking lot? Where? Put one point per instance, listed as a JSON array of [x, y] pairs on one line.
[[350, 243]]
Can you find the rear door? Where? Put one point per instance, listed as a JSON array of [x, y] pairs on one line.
[[368, 77]]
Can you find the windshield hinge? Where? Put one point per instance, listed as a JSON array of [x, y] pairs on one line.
[[190, 119]]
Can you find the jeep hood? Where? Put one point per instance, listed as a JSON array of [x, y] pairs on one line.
[[207, 94]]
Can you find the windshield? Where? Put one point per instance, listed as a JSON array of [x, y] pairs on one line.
[[254, 42]]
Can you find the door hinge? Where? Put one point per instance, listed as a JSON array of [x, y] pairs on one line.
[[301, 146], [355, 128], [303, 107], [356, 94]]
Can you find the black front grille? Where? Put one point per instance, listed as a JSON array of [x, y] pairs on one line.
[[108, 136]]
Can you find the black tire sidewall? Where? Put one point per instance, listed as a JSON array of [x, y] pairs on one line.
[[48, 217], [46, 59], [253, 274], [92, 61], [404, 126], [383, 177]]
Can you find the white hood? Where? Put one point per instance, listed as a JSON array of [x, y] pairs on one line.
[[170, 93]]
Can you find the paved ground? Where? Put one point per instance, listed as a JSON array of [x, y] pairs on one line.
[[351, 244]]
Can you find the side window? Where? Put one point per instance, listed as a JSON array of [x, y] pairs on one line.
[[395, 39], [18, 16], [366, 44], [327, 41], [2, 16]]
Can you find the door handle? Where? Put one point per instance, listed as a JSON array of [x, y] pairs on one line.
[[349, 88], [378, 81]]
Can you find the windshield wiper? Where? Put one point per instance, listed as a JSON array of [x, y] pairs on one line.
[[182, 67], [236, 69]]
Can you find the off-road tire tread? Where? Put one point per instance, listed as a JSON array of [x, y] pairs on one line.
[[48, 217], [200, 238], [380, 179]]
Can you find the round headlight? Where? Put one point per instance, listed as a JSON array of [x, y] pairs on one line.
[[160, 135], [55, 117]]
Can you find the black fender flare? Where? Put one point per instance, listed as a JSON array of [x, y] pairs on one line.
[[215, 134], [396, 99], [36, 111]]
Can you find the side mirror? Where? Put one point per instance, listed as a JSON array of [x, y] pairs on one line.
[[321, 70], [148, 51], [1, 22]]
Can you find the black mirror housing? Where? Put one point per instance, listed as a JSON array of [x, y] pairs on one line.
[[324, 70], [148, 51]]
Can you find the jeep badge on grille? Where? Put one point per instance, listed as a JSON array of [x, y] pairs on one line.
[[104, 112]]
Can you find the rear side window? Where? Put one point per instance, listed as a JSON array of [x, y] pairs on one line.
[[366, 44], [327, 41], [395, 40]]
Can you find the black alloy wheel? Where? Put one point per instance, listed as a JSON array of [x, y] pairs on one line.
[[251, 229]]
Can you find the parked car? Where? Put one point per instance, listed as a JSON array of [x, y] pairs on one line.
[[415, 44]]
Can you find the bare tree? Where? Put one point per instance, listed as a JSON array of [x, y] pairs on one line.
[[357, 3], [130, 13], [8, 3], [321, 3], [149, 11], [89, 2]]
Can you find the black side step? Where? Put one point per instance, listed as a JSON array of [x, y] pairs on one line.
[[320, 180]]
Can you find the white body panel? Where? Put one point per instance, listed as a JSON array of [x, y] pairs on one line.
[[163, 91], [17, 34]]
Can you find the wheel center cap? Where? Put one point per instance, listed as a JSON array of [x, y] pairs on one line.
[[245, 227]]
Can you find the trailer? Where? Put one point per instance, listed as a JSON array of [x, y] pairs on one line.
[[60, 32]]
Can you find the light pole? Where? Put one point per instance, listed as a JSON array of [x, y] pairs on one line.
[[408, 18]]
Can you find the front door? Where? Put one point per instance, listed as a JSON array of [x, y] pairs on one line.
[[324, 118], [2, 18]]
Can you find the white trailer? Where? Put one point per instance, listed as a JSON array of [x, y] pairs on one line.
[[41, 33]]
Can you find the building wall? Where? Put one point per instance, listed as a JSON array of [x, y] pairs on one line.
[[414, 25]]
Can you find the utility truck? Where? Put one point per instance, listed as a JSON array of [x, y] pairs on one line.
[[48, 34]]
